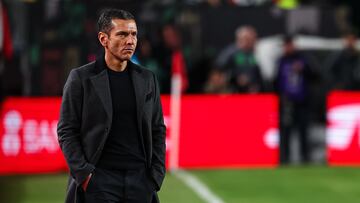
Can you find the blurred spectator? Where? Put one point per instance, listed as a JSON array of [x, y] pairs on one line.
[[250, 2], [213, 3], [6, 43], [291, 84], [239, 62], [345, 65], [216, 83], [172, 59], [145, 57]]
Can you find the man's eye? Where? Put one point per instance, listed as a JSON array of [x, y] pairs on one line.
[[122, 34]]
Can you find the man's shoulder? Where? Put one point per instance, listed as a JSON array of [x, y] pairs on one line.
[[225, 55], [141, 69], [86, 71], [85, 68]]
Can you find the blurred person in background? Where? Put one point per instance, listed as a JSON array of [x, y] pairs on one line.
[[111, 127], [252, 2], [239, 62], [145, 57], [212, 3], [216, 83], [344, 65], [171, 58], [291, 83]]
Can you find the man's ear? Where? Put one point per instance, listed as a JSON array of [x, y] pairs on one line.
[[103, 38]]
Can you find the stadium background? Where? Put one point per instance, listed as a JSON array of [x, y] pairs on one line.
[[228, 143]]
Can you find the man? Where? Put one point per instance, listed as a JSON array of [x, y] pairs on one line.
[[172, 58], [344, 65], [111, 127], [239, 63], [291, 83]]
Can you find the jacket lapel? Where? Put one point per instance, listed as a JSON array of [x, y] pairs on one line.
[[139, 89], [139, 84], [102, 88]]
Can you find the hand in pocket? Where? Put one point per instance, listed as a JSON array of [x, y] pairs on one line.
[[85, 184]]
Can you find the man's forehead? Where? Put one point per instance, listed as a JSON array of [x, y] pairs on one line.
[[124, 24]]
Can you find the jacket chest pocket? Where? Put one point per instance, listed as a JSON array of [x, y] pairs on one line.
[[148, 105]]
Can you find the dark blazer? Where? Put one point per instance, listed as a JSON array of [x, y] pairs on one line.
[[86, 116]]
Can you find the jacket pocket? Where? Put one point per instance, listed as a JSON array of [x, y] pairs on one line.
[[148, 96]]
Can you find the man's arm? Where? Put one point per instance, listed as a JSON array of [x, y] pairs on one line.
[[69, 129], [158, 139]]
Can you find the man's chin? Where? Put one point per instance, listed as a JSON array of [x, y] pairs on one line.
[[126, 58]]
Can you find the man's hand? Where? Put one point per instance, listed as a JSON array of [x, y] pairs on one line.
[[84, 185]]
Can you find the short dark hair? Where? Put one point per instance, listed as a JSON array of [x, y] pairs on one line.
[[104, 21]]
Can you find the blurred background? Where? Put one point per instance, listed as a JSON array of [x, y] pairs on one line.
[[270, 99]]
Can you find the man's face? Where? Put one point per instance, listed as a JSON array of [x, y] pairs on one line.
[[121, 41], [289, 48], [350, 41], [246, 40]]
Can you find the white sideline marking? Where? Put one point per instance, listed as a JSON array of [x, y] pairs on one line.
[[198, 187]]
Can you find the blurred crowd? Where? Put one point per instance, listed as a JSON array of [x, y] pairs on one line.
[[213, 45]]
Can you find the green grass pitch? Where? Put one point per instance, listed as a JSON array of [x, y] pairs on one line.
[[280, 185]]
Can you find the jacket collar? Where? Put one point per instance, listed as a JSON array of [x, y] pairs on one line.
[[100, 65]]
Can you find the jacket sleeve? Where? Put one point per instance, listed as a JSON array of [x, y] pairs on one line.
[[158, 139], [68, 129]]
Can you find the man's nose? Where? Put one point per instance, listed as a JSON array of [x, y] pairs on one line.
[[130, 40]]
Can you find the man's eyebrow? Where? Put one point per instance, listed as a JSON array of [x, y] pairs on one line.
[[122, 32]]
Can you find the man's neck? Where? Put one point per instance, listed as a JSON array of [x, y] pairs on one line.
[[115, 64]]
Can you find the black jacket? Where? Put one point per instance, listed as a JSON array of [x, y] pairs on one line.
[[86, 116]]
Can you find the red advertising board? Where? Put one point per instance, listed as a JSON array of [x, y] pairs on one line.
[[215, 131], [343, 122], [28, 139], [221, 131]]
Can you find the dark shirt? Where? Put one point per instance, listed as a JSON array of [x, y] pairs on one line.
[[241, 64], [345, 69], [292, 77], [123, 148]]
